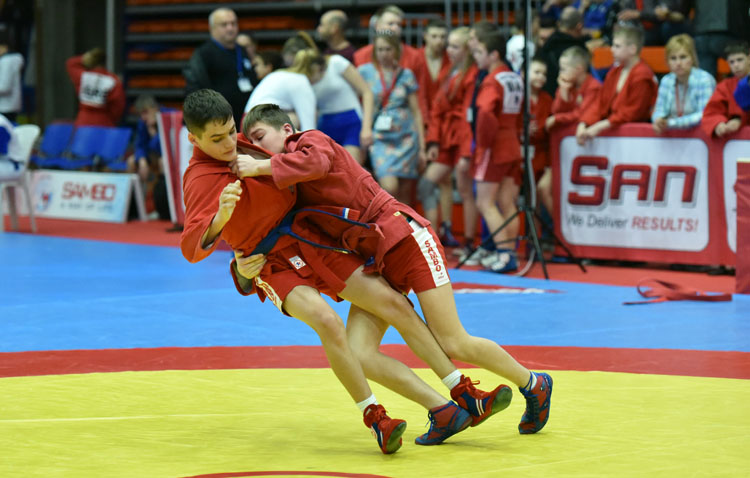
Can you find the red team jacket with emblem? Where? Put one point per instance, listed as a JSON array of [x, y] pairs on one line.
[[449, 125], [499, 103], [101, 97], [261, 207]]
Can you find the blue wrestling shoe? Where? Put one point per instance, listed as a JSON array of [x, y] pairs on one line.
[[538, 401], [445, 422]]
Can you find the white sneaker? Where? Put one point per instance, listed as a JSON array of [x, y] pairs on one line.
[[474, 257]]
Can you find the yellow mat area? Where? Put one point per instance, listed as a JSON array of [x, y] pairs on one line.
[[186, 423]]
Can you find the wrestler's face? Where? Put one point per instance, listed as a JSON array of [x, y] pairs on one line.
[[218, 140], [739, 64], [434, 39], [537, 75], [481, 57], [269, 137]]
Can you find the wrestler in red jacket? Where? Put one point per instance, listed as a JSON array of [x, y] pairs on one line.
[[101, 97], [722, 115], [294, 270], [410, 257]]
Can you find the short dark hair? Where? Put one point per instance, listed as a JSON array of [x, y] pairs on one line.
[[203, 106], [493, 41], [483, 27], [273, 58], [436, 23], [267, 113], [736, 46]]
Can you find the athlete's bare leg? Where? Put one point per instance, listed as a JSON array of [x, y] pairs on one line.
[[306, 304], [439, 308], [365, 331], [373, 294]]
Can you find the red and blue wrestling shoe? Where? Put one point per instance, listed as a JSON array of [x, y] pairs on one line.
[[386, 430], [445, 421], [538, 401], [481, 405]]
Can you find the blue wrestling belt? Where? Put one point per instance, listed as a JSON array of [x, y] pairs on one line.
[[285, 228]]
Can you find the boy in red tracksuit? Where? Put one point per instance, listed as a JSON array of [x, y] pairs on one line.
[[449, 137], [497, 158], [722, 115], [432, 70], [101, 97], [576, 91], [629, 89], [294, 272], [410, 257]]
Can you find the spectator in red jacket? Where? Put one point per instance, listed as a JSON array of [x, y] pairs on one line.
[[497, 158], [629, 89], [101, 97], [722, 115]]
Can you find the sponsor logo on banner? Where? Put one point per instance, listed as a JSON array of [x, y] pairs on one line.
[[734, 149], [82, 195], [645, 193]]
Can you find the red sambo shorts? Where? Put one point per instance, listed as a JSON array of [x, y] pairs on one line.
[[323, 270], [416, 262]]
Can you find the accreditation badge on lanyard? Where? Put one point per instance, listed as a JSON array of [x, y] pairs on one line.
[[243, 82], [384, 122]]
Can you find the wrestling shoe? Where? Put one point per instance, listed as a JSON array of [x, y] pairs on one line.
[[446, 236], [500, 262], [385, 429], [445, 421], [480, 405], [537, 405]]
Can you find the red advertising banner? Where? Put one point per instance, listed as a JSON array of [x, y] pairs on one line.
[[743, 224], [633, 195], [170, 124]]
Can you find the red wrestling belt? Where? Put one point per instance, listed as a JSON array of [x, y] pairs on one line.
[[663, 291]]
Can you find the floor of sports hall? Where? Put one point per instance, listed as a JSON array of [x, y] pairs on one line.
[[120, 359]]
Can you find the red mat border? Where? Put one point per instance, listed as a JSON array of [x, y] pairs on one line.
[[695, 363]]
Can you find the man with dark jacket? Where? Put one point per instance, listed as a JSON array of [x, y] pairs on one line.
[[220, 64], [569, 33]]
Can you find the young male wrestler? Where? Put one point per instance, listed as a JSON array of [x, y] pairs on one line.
[[296, 271], [723, 115], [629, 89], [497, 159], [410, 258]]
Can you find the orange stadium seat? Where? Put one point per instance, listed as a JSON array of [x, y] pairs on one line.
[[656, 58]]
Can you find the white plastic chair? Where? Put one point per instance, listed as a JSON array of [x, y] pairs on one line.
[[27, 136]]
